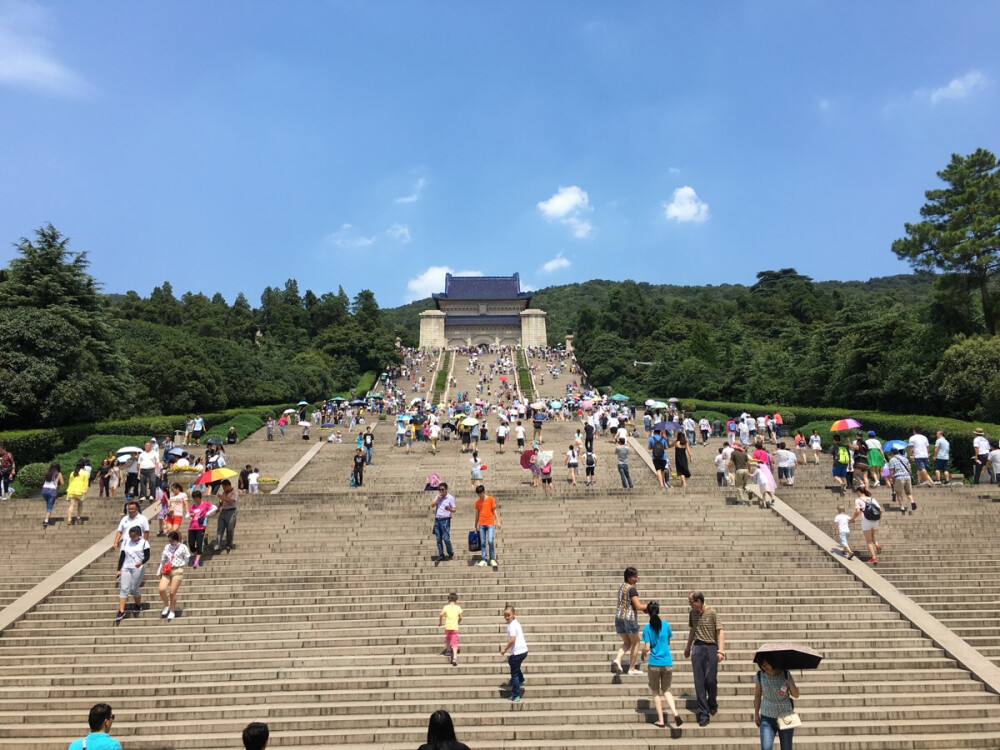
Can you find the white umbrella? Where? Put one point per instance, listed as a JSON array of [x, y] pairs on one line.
[[470, 421], [128, 449], [305, 424], [289, 411]]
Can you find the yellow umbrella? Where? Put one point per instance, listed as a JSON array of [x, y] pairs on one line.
[[470, 422], [215, 475]]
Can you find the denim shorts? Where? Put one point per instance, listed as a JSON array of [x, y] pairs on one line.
[[941, 464], [627, 627], [922, 463]]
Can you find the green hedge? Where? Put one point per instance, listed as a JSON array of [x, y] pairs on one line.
[[246, 424], [886, 426], [41, 446], [441, 381], [524, 377]]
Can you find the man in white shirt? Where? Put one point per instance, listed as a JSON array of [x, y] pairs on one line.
[[942, 452], [980, 452], [149, 462], [131, 518], [920, 454]]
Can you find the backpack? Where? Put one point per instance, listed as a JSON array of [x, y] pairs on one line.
[[658, 450], [590, 459], [6, 461], [871, 511], [843, 455]]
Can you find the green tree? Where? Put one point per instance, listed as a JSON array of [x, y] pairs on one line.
[[59, 359], [960, 233]]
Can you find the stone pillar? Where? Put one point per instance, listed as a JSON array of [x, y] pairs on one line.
[[533, 328], [432, 329]]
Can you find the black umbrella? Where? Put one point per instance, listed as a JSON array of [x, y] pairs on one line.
[[785, 655], [358, 402], [214, 441], [177, 452]]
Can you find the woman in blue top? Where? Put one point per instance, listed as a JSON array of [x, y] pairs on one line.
[[656, 635], [773, 693]]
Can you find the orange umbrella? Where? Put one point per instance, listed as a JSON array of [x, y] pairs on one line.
[[215, 475]]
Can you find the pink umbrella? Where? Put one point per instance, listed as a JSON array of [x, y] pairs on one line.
[[587, 404]]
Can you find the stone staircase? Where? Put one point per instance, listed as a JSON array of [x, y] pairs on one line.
[[323, 621]]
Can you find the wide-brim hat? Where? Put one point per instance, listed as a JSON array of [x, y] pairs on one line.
[[978, 431]]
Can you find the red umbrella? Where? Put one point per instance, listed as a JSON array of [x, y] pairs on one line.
[[526, 459]]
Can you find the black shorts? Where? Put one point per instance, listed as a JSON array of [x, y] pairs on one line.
[[520, 442], [659, 464], [590, 471]]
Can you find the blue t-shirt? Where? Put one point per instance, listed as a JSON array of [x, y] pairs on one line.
[[659, 645], [97, 741]]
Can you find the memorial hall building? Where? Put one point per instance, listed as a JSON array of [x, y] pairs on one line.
[[482, 310]]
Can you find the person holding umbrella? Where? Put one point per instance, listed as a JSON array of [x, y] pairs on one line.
[[774, 689]]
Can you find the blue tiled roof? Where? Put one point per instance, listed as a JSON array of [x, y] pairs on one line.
[[482, 320], [482, 287]]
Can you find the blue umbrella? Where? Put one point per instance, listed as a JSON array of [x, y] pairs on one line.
[[619, 397], [666, 426], [892, 445], [539, 417]]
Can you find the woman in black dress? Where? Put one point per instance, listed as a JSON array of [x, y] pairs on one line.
[[682, 455]]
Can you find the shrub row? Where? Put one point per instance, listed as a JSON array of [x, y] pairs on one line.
[[39, 446], [886, 426], [441, 380], [524, 377]]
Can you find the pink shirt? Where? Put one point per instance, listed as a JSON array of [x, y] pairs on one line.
[[199, 514]]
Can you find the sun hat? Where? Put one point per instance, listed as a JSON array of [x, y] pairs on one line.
[[978, 431]]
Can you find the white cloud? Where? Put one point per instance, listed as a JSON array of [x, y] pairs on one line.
[[415, 195], [347, 236], [25, 57], [674, 170], [686, 206], [568, 206], [555, 264], [399, 232], [431, 281], [959, 88]]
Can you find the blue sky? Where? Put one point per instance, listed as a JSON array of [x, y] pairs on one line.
[[230, 145]]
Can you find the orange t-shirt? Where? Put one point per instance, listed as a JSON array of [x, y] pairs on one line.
[[487, 508]]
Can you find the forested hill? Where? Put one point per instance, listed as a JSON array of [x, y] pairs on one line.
[[912, 343]]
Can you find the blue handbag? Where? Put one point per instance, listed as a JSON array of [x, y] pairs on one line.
[[474, 545]]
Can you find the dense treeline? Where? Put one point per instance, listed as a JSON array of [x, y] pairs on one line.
[[69, 354], [906, 344]]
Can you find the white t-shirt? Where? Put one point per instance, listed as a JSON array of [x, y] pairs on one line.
[[843, 522], [943, 448], [815, 442], [519, 432], [703, 424], [785, 458], [981, 444], [134, 551], [514, 631], [149, 459], [720, 463], [920, 446], [994, 458], [127, 523]]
